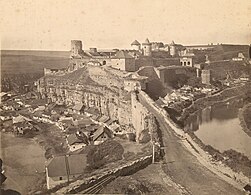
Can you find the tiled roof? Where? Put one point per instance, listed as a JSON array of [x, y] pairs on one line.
[[135, 43], [20, 118], [147, 41], [122, 55], [84, 122], [66, 165], [78, 106], [99, 132], [103, 119], [92, 110], [73, 138]]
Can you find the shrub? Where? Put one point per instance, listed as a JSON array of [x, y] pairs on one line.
[[106, 152]]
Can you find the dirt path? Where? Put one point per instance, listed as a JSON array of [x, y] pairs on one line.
[[185, 169]]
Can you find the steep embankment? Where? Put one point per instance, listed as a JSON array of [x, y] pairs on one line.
[[245, 118]]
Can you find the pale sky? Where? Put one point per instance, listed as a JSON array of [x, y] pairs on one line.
[[51, 24]]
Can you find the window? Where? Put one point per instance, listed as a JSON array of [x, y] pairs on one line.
[[181, 63], [188, 63], [60, 178], [185, 63], [104, 62]]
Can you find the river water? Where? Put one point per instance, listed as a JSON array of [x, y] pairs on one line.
[[219, 126], [23, 162]]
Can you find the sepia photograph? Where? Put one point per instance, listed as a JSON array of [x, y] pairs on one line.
[[125, 97]]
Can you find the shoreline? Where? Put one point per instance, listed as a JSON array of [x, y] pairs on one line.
[[223, 96], [224, 171], [241, 115]]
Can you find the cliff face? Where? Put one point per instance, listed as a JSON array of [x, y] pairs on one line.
[[99, 87]]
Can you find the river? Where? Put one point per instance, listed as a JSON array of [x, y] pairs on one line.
[[219, 126], [23, 162]]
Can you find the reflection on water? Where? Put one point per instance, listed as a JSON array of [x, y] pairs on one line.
[[219, 126]]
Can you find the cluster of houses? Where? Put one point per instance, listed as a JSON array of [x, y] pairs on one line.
[[186, 94]]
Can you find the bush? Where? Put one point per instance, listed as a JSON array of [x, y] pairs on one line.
[[144, 137], [106, 152]]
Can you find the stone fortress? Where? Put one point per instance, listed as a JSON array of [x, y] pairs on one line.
[[109, 80]]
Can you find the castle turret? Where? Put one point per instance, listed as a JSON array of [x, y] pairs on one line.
[[76, 47], [172, 49], [135, 45], [147, 48]]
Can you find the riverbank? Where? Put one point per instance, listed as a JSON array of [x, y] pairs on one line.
[[223, 96], [245, 118]]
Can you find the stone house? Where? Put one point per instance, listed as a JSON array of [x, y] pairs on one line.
[[101, 134], [64, 168], [77, 141]]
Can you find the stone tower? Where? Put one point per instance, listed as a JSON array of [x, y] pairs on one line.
[[76, 47], [135, 45], [172, 49], [147, 48]]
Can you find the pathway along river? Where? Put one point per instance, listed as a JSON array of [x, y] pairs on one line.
[[23, 162], [219, 126]]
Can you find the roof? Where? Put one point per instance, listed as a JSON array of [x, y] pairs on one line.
[[122, 54], [135, 43], [147, 41], [84, 122], [109, 122], [160, 102], [100, 131], [78, 106], [103, 119], [22, 124], [92, 110], [73, 138], [172, 43], [20, 118], [92, 127], [60, 165]]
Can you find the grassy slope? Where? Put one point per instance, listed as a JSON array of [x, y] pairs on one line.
[[18, 62]]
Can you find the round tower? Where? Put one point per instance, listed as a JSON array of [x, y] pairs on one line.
[[147, 48], [172, 49], [135, 45], [76, 47]]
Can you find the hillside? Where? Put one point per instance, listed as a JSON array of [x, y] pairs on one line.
[[20, 68], [21, 62]]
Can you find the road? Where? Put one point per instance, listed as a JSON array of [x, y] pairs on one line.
[[184, 168]]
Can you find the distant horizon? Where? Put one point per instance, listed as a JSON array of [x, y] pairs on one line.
[[51, 24], [214, 44]]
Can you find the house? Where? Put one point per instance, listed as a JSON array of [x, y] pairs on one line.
[[23, 127], [82, 123], [92, 111], [64, 168], [20, 118], [115, 128], [123, 61], [78, 108], [101, 134], [244, 77], [103, 119], [77, 141], [109, 122]]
